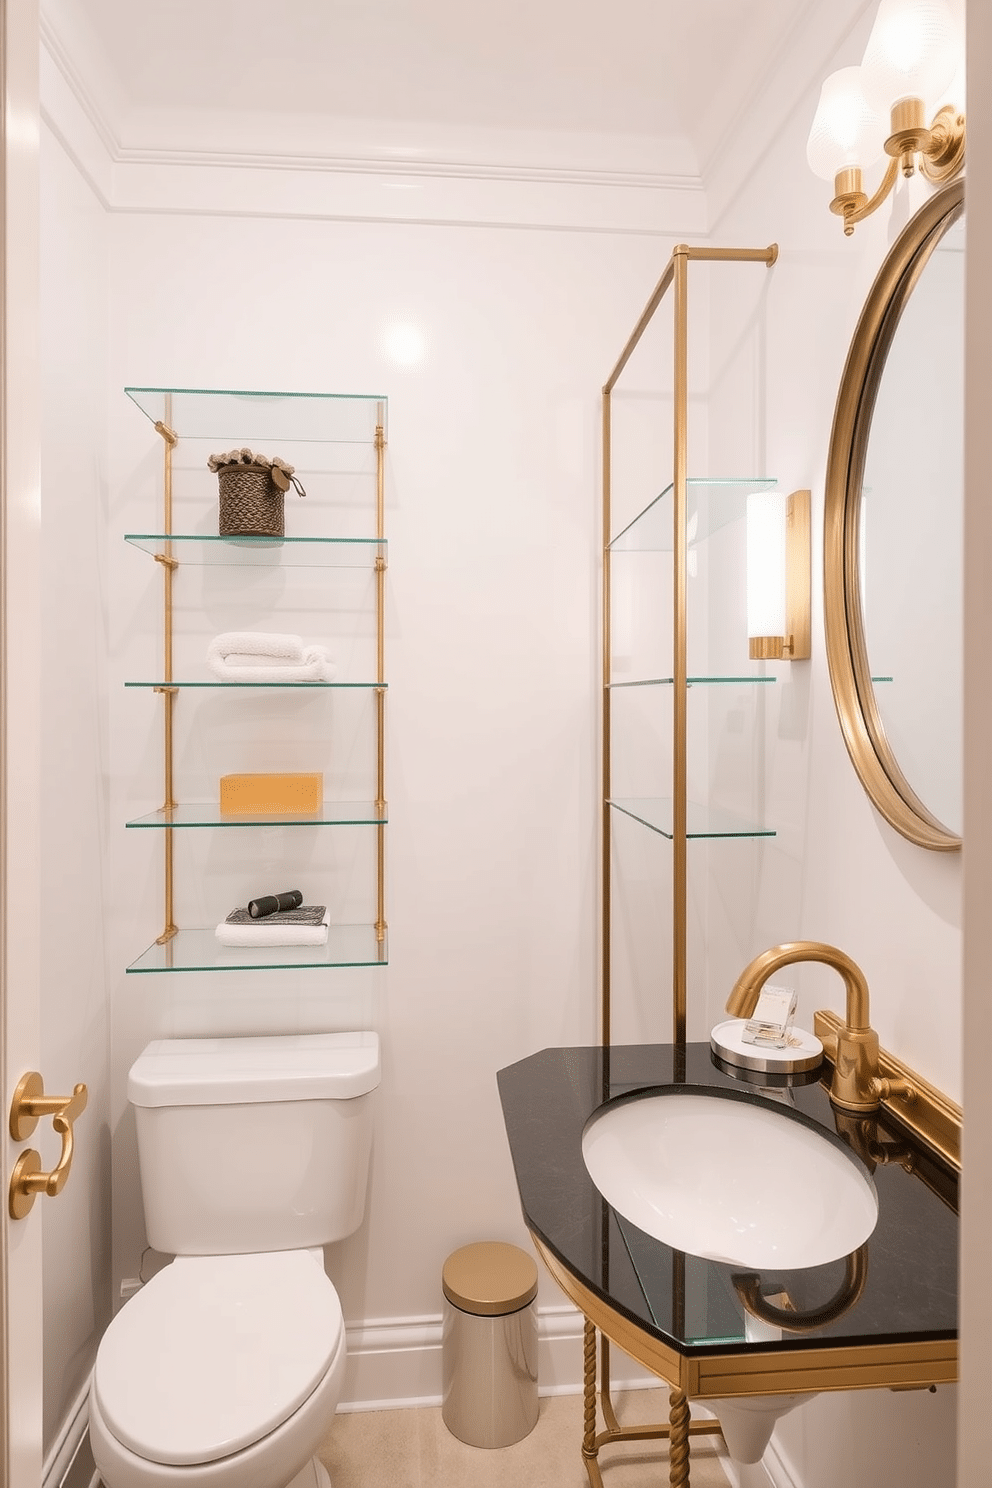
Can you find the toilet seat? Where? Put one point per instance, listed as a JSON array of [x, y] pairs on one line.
[[236, 1344]]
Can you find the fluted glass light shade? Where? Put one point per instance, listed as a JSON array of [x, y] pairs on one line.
[[913, 52], [847, 130]]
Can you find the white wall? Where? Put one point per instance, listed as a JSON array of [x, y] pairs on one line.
[[836, 872], [491, 634], [75, 1005]]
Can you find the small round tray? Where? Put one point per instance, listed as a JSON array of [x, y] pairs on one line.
[[804, 1052]]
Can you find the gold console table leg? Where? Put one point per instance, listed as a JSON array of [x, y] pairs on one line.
[[679, 1428], [678, 1440]]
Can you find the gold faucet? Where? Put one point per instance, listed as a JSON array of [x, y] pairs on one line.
[[856, 1083]]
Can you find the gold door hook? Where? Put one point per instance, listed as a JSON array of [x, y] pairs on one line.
[[29, 1104]]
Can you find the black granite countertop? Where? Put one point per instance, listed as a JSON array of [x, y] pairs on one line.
[[910, 1284]]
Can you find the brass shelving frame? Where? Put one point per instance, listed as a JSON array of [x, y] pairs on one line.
[[168, 688], [679, 1428]]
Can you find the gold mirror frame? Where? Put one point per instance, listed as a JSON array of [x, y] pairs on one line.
[[847, 654]]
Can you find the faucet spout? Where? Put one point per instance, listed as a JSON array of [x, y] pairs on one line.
[[856, 1085]]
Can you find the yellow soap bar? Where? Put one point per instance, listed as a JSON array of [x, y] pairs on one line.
[[271, 795]]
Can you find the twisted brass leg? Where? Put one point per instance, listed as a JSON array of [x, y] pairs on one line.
[[588, 1388], [678, 1440]]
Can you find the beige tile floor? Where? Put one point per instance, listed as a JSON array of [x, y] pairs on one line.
[[414, 1449]]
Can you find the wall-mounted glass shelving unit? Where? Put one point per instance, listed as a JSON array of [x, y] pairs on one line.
[[710, 505], [684, 514], [320, 433]]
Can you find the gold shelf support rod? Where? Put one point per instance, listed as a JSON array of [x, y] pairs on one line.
[[606, 877], [380, 693], [680, 710], [169, 565]]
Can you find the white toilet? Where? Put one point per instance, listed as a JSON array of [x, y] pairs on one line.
[[225, 1369]]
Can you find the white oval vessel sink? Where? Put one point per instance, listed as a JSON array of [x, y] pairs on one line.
[[730, 1180]]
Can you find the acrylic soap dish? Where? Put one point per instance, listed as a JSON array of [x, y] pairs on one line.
[[802, 1053]]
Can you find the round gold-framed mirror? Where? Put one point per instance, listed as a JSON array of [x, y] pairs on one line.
[[864, 708]]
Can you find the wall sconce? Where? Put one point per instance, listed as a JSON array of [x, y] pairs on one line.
[[778, 576], [912, 56]]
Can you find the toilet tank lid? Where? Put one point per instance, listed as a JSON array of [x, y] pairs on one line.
[[231, 1071]]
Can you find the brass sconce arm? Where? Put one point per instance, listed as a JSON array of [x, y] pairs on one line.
[[940, 150], [856, 1085]]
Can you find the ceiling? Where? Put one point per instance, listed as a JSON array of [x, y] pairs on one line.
[[672, 75]]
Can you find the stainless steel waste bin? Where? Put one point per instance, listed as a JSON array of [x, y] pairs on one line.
[[489, 1344]]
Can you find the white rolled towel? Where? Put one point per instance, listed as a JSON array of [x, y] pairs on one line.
[[262, 934], [267, 656]]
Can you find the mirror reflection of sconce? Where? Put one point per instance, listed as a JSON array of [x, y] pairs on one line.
[[912, 56], [778, 576], [782, 1313]]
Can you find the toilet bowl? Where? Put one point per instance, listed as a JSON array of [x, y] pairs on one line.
[[222, 1372], [225, 1370]]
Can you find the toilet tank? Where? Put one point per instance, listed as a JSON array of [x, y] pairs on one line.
[[254, 1144]]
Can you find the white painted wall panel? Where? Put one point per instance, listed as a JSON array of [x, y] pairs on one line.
[[492, 496], [74, 765]]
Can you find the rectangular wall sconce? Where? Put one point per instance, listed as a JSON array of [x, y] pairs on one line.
[[778, 576]]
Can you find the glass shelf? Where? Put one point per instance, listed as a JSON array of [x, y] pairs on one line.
[[262, 552], [712, 503], [200, 950], [657, 813], [690, 681], [208, 814], [215, 682], [249, 418]]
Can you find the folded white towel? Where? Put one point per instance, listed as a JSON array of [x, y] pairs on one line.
[[262, 934], [261, 656], [273, 644]]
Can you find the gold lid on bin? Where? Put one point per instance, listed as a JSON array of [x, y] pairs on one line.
[[489, 1278]]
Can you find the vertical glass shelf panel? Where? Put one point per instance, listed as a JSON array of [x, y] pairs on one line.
[[657, 813], [200, 950], [247, 418], [208, 814], [262, 552], [712, 503]]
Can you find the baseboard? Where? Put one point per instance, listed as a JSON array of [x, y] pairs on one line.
[[396, 1362], [771, 1472], [70, 1464]]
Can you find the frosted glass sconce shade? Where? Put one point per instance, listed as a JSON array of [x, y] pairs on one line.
[[847, 131], [778, 576], [912, 52], [765, 564]]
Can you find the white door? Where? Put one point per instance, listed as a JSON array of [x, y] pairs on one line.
[[21, 1366]]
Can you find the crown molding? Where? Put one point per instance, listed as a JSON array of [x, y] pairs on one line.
[[445, 187]]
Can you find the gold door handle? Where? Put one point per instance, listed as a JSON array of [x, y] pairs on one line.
[[29, 1104]]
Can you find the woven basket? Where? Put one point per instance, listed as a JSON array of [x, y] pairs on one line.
[[251, 504]]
